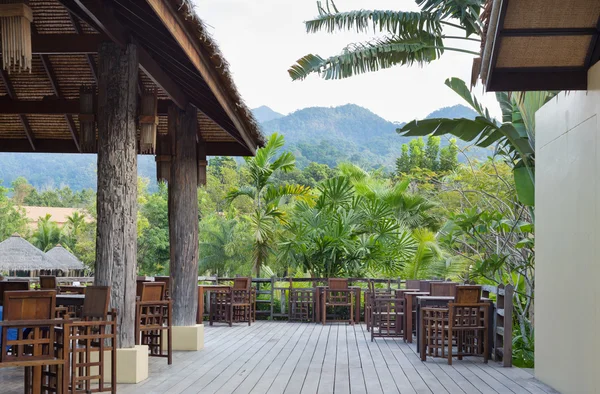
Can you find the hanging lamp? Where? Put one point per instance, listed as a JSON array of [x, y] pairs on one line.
[[15, 29]]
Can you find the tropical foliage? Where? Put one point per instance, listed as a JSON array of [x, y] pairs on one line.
[[402, 38]]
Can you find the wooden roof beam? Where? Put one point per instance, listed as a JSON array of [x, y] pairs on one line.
[[90, 58], [54, 106], [56, 88], [66, 146], [171, 20], [101, 15], [50, 44], [10, 90]]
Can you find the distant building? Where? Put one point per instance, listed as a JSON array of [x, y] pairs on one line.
[[58, 215]]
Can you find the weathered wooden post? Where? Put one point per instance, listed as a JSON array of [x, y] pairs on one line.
[[116, 244], [183, 227]]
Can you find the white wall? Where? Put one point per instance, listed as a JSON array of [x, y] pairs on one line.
[[567, 297]]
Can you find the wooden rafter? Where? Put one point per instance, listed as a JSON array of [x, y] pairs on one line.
[[56, 88], [54, 106], [99, 13], [65, 146], [10, 90], [90, 58]]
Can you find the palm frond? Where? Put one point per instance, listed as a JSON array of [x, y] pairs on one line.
[[248, 191], [395, 22], [420, 48], [466, 11]]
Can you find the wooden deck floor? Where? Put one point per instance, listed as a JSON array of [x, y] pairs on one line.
[[281, 357]]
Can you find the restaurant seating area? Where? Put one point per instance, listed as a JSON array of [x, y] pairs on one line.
[[64, 335]]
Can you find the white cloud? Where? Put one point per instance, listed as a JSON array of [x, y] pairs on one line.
[[262, 38]]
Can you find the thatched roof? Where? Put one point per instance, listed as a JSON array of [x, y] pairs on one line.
[[539, 44], [40, 110], [16, 254], [65, 258]]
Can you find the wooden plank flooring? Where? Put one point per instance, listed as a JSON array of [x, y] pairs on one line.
[[299, 358]]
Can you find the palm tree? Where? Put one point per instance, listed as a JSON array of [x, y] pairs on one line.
[[223, 245], [410, 209], [514, 137], [267, 197], [47, 234], [408, 37]]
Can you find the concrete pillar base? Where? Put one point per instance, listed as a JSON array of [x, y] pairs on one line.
[[190, 338], [132, 364]]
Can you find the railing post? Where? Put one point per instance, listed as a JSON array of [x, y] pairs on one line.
[[508, 311], [272, 294]]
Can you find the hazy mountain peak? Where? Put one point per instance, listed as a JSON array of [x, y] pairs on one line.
[[265, 114]]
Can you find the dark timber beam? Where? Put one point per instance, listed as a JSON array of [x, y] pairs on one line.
[[22, 145], [116, 246], [202, 62], [100, 13], [10, 90], [54, 106], [183, 215], [518, 79], [49, 44], [56, 88]]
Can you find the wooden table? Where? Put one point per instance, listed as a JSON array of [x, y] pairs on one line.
[[409, 298], [70, 299], [71, 289], [319, 290], [201, 290]]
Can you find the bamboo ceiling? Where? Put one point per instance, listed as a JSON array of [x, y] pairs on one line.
[[541, 44], [39, 110]]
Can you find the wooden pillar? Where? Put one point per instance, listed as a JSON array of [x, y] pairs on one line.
[[202, 163], [183, 215], [116, 243]]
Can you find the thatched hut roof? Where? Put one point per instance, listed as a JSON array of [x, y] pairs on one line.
[[65, 258], [16, 254]]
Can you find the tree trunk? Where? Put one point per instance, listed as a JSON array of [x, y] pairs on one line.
[[183, 215], [116, 242]]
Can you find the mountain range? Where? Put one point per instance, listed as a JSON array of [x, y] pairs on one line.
[[322, 134]]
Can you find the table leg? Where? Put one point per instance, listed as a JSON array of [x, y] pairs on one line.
[[200, 313], [317, 305], [357, 310], [409, 319], [418, 323]]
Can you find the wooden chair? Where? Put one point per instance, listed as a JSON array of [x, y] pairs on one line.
[[153, 317], [370, 296], [167, 281], [89, 339], [434, 332], [221, 306], [336, 295], [48, 282], [12, 286], [32, 313], [242, 300], [468, 324], [301, 303], [387, 316], [443, 289], [413, 284]]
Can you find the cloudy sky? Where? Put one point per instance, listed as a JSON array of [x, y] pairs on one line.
[[262, 38]]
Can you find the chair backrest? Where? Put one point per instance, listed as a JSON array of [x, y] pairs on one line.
[[47, 282], [139, 284], [469, 294], [413, 284], [167, 281], [29, 305], [152, 291], [443, 289], [96, 303], [338, 283], [241, 283], [12, 286]]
